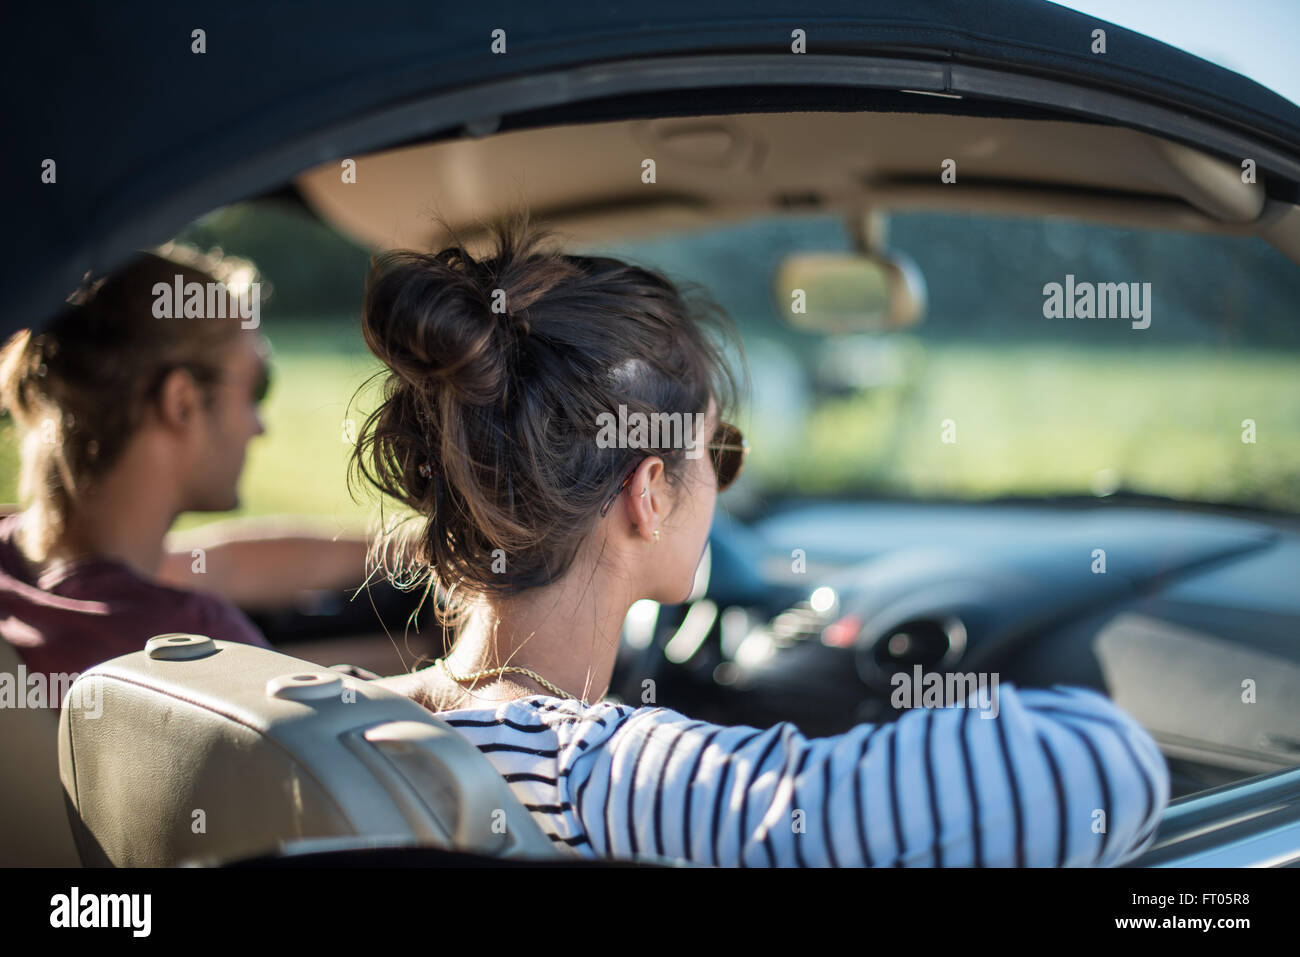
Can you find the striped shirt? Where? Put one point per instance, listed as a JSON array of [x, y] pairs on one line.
[[1058, 778]]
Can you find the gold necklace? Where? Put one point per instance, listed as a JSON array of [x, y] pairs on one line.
[[512, 669]]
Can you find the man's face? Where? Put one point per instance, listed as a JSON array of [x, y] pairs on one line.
[[232, 420]]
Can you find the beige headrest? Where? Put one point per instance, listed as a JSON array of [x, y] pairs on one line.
[[196, 749]]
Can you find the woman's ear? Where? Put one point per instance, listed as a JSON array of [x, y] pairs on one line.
[[648, 501]]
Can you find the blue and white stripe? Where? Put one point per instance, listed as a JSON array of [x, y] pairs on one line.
[[1060, 777]]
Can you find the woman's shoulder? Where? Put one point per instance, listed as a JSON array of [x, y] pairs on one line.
[[570, 730], [538, 709], [565, 716]]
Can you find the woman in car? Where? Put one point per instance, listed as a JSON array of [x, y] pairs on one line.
[[505, 374]]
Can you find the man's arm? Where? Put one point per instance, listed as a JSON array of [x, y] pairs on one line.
[[262, 563]]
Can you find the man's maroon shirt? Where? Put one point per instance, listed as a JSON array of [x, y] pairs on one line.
[[89, 611]]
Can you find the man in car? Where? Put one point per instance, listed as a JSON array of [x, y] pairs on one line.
[[130, 409]]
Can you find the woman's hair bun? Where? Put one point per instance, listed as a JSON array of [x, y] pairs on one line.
[[502, 370], [447, 318], [426, 319]]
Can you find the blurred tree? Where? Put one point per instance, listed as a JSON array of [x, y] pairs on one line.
[[313, 270]]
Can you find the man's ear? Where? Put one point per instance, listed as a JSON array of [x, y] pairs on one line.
[[179, 400]]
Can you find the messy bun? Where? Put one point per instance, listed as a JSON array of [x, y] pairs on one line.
[[499, 370]]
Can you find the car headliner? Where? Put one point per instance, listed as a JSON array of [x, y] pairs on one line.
[[147, 135], [585, 179]]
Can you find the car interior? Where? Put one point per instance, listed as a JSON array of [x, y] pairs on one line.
[[806, 605]]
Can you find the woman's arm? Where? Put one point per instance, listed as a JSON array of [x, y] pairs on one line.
[[260, 563], [1057, 778]]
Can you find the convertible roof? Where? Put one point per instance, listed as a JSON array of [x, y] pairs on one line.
[[146, 134]]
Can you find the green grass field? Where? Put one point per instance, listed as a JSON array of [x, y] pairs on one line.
[[1044, 420], [1029, 420]]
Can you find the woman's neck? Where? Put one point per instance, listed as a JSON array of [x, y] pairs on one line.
[[567, 633]]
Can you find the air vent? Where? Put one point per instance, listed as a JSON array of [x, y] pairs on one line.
[[933, 643], [921, 643]]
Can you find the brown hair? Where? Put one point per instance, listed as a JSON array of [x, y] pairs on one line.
[[489, 420], [77, 389]]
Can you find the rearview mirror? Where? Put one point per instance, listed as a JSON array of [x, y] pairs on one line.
[[841, 293]]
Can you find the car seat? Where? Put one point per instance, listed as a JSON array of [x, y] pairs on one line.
[[34, 828], [200, 750]]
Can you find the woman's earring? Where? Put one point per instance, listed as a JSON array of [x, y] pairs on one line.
[[644, 491], [656, 535]]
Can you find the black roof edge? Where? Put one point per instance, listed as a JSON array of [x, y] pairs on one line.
[[113, 234]]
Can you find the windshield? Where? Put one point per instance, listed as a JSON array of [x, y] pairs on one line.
[[986, 397], [1027, 376]]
